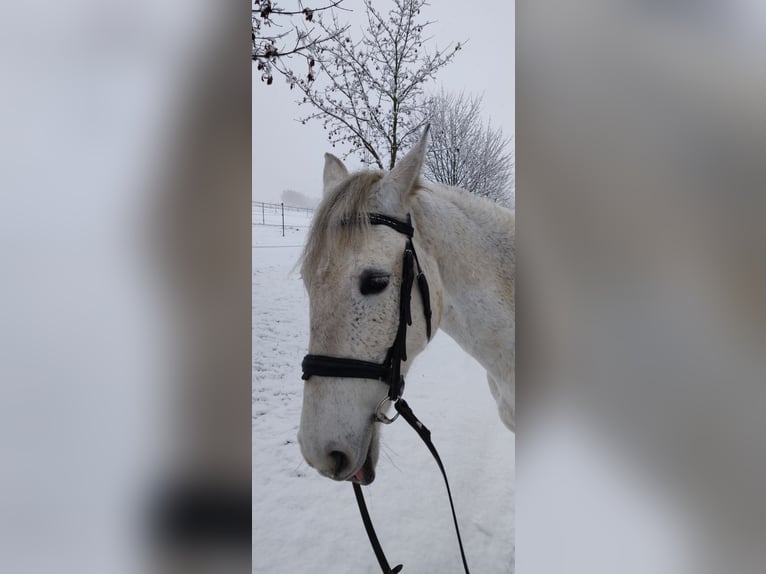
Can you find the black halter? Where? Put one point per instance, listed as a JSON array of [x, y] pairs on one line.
[[389, 371]]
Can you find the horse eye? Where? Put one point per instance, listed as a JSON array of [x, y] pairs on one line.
[[373, 282]]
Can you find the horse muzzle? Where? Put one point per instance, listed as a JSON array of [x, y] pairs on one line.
[[340, 460]]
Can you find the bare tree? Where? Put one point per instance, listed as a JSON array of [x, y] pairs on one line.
[[278, 34], [466, 152], [370, 98]]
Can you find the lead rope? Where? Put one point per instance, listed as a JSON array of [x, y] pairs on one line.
[[371, 533], [404, 409]]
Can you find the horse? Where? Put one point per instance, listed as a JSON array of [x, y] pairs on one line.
[[353, 273]]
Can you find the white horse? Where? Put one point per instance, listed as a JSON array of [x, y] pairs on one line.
[[353, 273]]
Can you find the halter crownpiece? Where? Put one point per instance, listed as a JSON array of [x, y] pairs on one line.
[[389, 371]]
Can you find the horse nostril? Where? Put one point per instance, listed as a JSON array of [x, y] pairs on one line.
[[340, 461]]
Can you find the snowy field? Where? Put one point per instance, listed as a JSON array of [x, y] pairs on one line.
[[305, 523]]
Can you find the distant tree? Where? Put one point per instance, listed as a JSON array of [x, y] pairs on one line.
[[298, 199], [370, 98], [279, 34], [465, 151]]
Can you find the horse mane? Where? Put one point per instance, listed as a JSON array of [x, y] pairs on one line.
[[331, 231], [340, 223]]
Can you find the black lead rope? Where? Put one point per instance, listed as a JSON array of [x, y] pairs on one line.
[[390, 372], [371, 533], [404, 409]]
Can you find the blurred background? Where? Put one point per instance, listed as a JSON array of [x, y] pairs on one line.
[[125, 357], [125, 292], [641, 138]]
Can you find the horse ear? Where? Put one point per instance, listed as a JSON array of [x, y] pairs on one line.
[[399, 181], [334, 172]]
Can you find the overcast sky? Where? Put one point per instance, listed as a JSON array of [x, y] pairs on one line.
[[288, 155]]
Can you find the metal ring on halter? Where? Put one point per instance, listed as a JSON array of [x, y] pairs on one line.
[[380, 417]]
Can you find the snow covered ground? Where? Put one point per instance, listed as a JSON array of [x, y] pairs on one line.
[[303, 522]]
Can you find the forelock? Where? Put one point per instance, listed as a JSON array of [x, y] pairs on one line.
[[338, 222]]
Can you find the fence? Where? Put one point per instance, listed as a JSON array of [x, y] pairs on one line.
[[279, 215]]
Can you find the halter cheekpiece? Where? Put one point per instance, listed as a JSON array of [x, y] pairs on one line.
[[389, 371]]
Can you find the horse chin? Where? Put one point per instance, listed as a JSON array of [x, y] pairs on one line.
[[366, 473]]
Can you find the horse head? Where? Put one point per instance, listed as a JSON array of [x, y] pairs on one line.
[[353, 271]]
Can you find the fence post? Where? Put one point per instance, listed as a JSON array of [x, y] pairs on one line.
[[283, 219]]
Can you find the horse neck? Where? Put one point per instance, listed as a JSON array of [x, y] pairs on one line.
[[470, 241]]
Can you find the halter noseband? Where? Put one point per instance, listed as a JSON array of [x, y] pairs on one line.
[[389, 371]]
